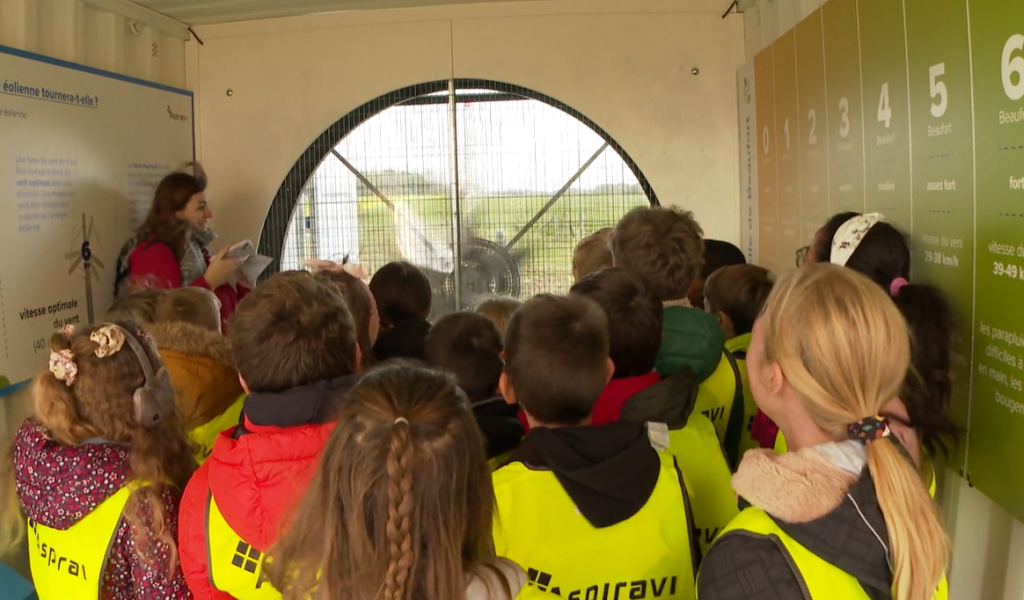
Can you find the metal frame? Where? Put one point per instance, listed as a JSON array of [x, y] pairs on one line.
[[275, 226]]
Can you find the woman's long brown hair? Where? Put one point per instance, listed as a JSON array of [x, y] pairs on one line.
[[172, 195], [100, 405], [401, 506]]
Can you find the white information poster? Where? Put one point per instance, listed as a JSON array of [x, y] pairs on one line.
[[748, 162], [82, 153]]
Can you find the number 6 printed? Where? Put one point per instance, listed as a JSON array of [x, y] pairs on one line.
[[1013, 64]]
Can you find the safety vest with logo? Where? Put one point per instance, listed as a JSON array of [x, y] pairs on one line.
[[236, 567], [646, 556], [823, 580], [707, 476], [204, 435], [927, 470], [720, 398], [738, 346], [70, 563]]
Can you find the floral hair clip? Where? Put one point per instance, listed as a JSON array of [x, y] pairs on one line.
[[67, 330], [109, 338], [63, 367]]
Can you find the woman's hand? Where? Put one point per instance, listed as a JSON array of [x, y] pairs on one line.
[[221, 269]]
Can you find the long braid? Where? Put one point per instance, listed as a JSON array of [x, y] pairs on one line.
[[400, 504]]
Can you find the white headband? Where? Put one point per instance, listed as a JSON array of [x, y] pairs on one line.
[[849, 236]]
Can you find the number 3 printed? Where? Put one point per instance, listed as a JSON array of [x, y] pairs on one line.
[[1013, 64]]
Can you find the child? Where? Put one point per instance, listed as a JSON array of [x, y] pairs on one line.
[[636, 393], [410, 506], [361, 305], [185, 325], [589, 511], [664, 247], [717, 254], [592, 254], [499, 311], [469, 346], [735, 296], [403, 297], [99, 469], [844, 515], [296, 353]]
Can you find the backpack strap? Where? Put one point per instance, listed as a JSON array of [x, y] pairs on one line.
[[734, 428]]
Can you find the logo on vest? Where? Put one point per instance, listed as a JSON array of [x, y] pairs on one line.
[[248, 559], [620, 590], [54, 558], [714, 414]]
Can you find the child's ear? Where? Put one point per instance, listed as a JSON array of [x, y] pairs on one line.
[[723, 319], [611, 370], [245, 386], [505, 387]]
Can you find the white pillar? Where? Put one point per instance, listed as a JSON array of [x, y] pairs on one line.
[[104, 40], [61, 27], [171, 60]]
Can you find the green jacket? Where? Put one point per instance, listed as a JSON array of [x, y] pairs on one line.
[[690, 338]]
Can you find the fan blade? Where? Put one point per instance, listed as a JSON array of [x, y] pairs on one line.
[[70, 255], [99, 263], [74, 265]]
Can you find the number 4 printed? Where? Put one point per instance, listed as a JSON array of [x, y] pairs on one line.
[[884, 110]]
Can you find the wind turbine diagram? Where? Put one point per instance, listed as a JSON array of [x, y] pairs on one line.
[[83, 257]]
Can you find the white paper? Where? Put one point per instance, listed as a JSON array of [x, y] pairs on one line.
[[241, 251], [253, 266]]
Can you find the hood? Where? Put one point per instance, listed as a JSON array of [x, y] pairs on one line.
[[824, 498], [260, 469], [499, 422], [404, 340], [200, 364], [608, 407], [690, 338], [59, 485], [609, 471], [669, 401]]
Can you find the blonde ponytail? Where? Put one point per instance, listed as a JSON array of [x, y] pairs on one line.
[[918, 545], [844, 347]]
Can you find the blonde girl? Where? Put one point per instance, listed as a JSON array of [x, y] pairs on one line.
[[99, 469], [844, 515], [402, 504], [500, 311]]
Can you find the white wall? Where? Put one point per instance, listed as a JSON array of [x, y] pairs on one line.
[[113, 35], [626, 64]]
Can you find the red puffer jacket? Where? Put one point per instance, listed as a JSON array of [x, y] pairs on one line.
[[257, 472]]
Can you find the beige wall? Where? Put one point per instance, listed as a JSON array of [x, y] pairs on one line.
[[626, 64]]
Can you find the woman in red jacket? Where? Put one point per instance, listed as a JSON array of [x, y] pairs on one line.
[[170, 248]]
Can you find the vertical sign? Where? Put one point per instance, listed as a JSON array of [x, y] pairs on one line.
[[810, 67], [886, 120], [842, 93], [943, 160], [764, 82], [787, 127], [997, 395], [748, 162]]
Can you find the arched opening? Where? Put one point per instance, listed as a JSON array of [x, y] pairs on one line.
[[505, 178]]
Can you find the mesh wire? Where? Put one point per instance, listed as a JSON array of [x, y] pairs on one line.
[[393, 200]]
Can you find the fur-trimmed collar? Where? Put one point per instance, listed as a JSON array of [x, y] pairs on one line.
[[796, 488], [192, 340]]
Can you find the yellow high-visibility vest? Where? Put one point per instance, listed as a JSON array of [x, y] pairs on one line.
[[700, 459], [646, 556], [824, 581], [206, 434], [70, 563], [236, 567]]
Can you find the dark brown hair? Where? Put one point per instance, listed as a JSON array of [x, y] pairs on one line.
[[592, 254], [402, 292], [663, 246], [469, 346], [172, 195], [499, 311], [823, 245], [740, 292], [291, 331], [556, 357], [356, 295], [634, 318], [401, 506], [99, 404]]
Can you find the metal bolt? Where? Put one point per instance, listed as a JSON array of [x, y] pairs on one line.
[[695, 71], [230, 92]]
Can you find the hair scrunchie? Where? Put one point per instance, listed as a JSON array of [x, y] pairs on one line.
[[896, 285], [869, 429]]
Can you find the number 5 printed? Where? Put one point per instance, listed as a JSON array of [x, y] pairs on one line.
[[938, 89], [844, 118], [1013, 64]]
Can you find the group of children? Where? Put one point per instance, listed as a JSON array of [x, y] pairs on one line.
[[335, 444]]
